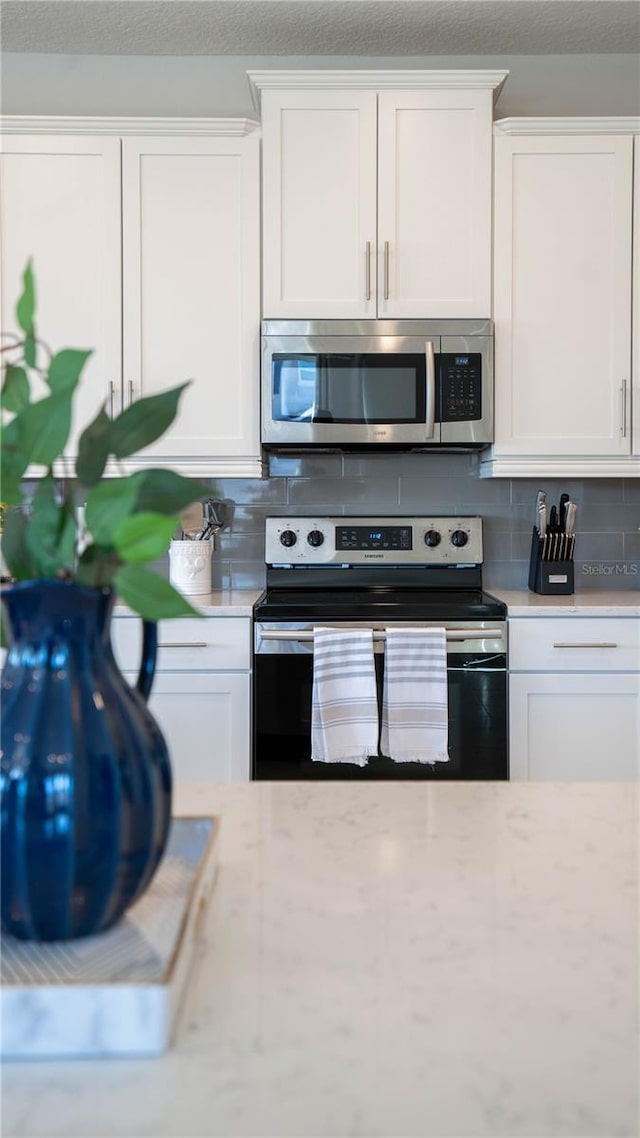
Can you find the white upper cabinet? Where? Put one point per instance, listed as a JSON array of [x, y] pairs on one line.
[[319, 203], [191, 284], [145, 241], [563, 298], [434, 203], [376, 193], [636, 294], [60, 207]]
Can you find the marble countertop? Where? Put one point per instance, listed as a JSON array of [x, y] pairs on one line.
[[589, 602], [389, 960], [223, 602]]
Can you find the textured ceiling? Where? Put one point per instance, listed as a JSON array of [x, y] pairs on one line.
[[320, 27]]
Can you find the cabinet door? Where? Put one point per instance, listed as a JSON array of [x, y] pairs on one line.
[[60, 206], [434, 203], [319, 203], [575, 727], [563, 294], [636, 328], [205, 719], [191, 292]]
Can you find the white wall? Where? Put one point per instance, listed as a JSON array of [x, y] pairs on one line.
[[198, 85]]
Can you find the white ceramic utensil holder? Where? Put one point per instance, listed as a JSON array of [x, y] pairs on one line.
[[190, 566]]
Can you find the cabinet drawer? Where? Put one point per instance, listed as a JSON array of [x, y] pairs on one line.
[[210, 644], [574, 644]]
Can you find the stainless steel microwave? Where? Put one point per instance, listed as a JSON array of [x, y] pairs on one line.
[[369, 384]]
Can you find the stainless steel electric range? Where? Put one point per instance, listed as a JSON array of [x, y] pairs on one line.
[[378, 572]]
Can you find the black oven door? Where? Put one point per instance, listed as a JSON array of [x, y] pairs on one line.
[[477, 696]]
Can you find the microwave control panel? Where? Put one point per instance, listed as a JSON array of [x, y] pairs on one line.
[[460, 387]]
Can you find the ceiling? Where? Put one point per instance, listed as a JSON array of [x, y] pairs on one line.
[[320, 27]]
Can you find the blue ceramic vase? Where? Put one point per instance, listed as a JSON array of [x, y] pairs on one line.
[[85, 772]]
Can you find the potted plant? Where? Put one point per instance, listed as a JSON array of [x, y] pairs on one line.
[[85, 776]]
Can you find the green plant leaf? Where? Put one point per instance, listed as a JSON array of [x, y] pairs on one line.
[[44, 428], [26, 305], [164, 492], [108, 504], [150, 595], [30, 351], [50, 535], [15, 389], [93, 450], [144, 422], [65, 369], [97, 566], [143, 537], [14, 545], [13, 463]]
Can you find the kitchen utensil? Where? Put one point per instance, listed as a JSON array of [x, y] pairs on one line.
[[541, 500], [562, 511], [570, 525], [542, 525], [553, 532], [215, 515]]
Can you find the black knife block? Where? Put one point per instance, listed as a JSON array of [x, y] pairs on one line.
[[551, 578]]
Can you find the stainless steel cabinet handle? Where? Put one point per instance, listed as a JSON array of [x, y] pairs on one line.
[[623, 394], [305, 635], [587, 644], [368, 270], [430, 409], [386, 270], [183, 644], [111, 394], [130, 392]]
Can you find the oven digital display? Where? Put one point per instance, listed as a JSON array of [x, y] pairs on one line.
[[383, 537]]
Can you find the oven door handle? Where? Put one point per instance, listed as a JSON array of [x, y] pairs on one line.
[[453, 634]]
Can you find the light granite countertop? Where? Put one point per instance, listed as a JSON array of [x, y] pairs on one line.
[[589, 602], [389, 960], [223, 602]]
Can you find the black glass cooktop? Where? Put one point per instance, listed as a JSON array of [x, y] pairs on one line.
[[378, 604]]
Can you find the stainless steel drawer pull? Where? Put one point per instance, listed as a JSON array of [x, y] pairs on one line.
[[368, 271], [587, 644], [183, 644], [304, 635]]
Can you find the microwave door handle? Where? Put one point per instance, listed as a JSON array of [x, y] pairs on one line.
[[430, 375]]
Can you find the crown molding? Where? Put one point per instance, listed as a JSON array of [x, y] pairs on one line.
[[548, 466], [73, 124], [375, 80], [628, 124]]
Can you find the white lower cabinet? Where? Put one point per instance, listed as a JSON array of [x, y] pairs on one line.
[[572, 715], [201, 695], [205, 719], [574, 727]]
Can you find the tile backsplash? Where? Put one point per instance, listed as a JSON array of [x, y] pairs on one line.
[[608, 514]]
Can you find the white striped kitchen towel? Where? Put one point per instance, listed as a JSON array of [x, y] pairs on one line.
[[414, 699], [344, 705]]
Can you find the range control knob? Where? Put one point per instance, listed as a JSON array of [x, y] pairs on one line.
[[315, 538], [288, 537], [432, 537], [459, 537]]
